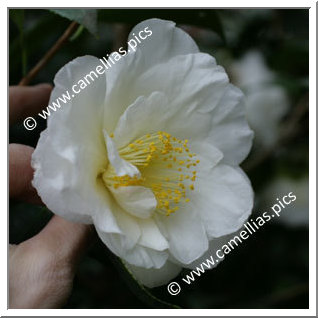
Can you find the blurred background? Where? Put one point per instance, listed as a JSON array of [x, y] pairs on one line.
[[265, 53]]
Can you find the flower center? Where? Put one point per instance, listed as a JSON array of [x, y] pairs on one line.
[[166, 166]]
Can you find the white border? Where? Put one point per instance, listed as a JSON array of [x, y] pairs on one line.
[[312, 164]]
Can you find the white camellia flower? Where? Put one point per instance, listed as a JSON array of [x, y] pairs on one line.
[[266, 102], [296, 214], [149, 154]]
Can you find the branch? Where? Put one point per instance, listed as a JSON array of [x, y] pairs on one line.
[[48, 56]]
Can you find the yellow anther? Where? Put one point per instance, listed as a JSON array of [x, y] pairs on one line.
[[154, 155], [111, 135]]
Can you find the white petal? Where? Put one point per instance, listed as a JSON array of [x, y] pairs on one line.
[[143, 110], [195, 90], [229, 129], [121, 77], [208, 155], [71, 151], [129, 233], [214, 245], [190, 80], [121, 166], [155, 277], [223, 198], [129, 243], [78, 121], [185, 233], [136, 200], [192, 83], [165, 42], [151, 236], [138, 255]]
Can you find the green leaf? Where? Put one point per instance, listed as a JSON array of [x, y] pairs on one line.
[[85, 17]]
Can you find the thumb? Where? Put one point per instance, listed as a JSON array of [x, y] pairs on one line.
[[67, 240]]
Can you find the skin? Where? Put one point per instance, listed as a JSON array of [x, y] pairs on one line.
[[42, 268]]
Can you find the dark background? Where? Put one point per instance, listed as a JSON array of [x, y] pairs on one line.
[[270, 269]]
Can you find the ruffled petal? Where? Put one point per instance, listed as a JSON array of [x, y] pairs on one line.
[[121, 166], [151, 236], [176, 41], [71, 151], [138, 255], [139, 242], [223, 198], [185, 233], [122, 75], [195, 90], [143, 111], [128, 236], [156, 276], [136, 200], [230, 131], [214, 245]]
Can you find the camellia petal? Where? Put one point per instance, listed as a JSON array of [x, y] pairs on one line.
[[177, 42], [215, 253], [184, 247], [121, 166], [151, 236], [155, 277], [138, 255], [206, 99], [136, 200], [226, 197]]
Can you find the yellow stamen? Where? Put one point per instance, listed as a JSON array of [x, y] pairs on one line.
[[158, 157]]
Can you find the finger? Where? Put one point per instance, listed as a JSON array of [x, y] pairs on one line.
[[67, 240], [21, 174], [27, 101]]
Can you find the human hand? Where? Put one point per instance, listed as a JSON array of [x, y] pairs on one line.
[[42, 268]]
